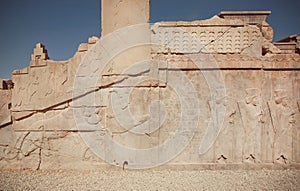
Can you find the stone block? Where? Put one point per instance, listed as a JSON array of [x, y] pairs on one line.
[[7, 136], [286, 47], [93, 40], [20, 72], [6, 84], [1, 84], [5, 106], [41, 88], [39, 55], [16, 116], [52, 120], [58, 155], [83, 47]]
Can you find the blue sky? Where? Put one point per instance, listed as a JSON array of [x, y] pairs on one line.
[[63, 24]]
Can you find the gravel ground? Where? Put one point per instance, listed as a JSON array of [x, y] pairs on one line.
[[151, 180]]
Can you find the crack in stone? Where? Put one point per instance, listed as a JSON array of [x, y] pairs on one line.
[[214, 40]]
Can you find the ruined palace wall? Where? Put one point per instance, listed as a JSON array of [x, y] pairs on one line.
[[196, 72], [261, 125]]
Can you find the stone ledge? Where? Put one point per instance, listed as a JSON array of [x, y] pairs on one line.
[[228, 166], [86, 166], [248, 17]]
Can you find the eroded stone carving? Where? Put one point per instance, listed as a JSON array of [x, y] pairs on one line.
[[251, 113], [5, 107], [261, 125], [192, 38], [283, 117]]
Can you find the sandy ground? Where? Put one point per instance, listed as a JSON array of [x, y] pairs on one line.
[[151, 180]]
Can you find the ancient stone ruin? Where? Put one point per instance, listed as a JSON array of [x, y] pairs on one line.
[[216, 93]]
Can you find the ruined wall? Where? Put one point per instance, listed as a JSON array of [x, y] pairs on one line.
[[222, 76]]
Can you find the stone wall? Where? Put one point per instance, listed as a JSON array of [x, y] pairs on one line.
[[223, 76]]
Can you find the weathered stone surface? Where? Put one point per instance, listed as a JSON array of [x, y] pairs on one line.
[[5, 106], [220, 80], [64, 150], [286, 47], [117, 14], [7, 136], [6, 84], [199, 37], [289, 45], [248, 17], [7, 143], [1, 84], [39, 55], [296, 139], [55, 120], [47, 150], [267, 31], [83, 47], [41, 88], [20, 72], [93, 40]]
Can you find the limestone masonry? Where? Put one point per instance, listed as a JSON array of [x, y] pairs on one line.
[[244, 90]]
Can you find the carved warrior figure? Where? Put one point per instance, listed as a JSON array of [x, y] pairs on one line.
[[283, 118], [251, 115], [228, 153]]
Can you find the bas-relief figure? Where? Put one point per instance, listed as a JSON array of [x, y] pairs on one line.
[[251, 116], [261, 121], [283, 117]]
